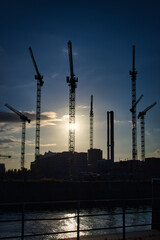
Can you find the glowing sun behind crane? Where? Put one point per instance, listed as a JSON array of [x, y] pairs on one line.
[[73, 126]]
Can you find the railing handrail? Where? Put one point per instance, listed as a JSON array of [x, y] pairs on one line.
[[78, 216], [75, 201]]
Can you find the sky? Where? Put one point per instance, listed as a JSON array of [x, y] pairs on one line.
[[102, 35]]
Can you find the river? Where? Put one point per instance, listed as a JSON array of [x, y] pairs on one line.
[[113, 218]]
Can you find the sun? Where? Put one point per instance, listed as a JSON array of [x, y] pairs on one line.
[[73, 126]]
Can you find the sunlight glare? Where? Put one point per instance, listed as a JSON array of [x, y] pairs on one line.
[[73, 126]]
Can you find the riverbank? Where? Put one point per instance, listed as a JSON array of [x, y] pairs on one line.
[[40, 191], [138, 235]]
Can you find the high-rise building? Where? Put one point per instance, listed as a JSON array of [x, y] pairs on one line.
[[94, 155]]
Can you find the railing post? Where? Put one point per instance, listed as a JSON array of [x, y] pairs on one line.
[[78, 220], [155, 203], [23, 203], [22, 225], [124, 230]]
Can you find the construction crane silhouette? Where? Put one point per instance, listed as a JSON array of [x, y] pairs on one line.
[[91, 123], [141, 115], [40, 82], [132, 109], [24, 119], [72, 80], [134, 119]]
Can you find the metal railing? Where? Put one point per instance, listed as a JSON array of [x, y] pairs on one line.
[[77, 217]]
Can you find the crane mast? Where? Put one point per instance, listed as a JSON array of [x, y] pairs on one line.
[[141, 116], [134, 120], [24, 119], [72, 86], [40, 82], [91, 123]]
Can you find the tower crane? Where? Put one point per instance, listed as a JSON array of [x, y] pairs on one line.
[[132, 109], [91, 123], [72, 80], [24, 119], [141, 115], [40, 82], [134, 120]]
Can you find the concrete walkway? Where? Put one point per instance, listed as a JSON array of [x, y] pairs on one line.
[[139, 235]]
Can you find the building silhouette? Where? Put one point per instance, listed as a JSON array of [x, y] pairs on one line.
[[57, 165]]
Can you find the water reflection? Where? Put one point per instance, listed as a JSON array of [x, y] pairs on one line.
[[69, 222]]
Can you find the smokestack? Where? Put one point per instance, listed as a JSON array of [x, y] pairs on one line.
[[110, 136], [91, 123]]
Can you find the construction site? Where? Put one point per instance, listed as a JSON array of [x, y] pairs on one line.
[[79, 120], [83, 165], [83, 176]]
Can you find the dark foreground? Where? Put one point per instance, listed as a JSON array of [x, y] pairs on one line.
[[40, 191], [139, 235]]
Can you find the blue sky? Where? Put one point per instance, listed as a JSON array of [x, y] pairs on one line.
[[102, 35]]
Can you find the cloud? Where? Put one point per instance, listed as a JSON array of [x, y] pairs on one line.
[[156, 153], [48, 115], [10, 127], [49, 145], [121, 122], [31, 143], [54, 75], [10, 122], [65, 117], [45, 116], [8, 117], [9, 142], [83, 107], [49, 119]]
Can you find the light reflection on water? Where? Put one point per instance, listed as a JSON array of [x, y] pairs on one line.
[[31, 227]]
